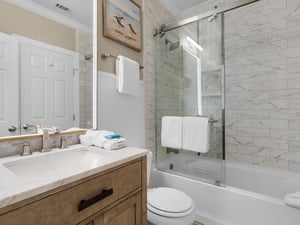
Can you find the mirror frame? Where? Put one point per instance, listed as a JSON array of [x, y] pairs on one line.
[[21, 3]]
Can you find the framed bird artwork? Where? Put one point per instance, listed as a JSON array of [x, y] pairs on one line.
[[122, 22]]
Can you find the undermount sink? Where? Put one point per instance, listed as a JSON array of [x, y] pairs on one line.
[[44, 164]]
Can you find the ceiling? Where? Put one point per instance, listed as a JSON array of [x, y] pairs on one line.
[[80, 10], [177, 6]]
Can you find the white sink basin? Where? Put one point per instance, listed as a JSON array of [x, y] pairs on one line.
[[44, 164]]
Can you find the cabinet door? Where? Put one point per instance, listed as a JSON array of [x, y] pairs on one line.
[[95, 221], [126, 213]]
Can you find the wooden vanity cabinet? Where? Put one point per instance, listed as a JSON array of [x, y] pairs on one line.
[[127, 212], [114, 197]]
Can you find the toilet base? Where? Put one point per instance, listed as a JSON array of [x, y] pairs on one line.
[[154, 219]]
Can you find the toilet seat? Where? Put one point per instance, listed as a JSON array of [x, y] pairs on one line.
[[169, 202]]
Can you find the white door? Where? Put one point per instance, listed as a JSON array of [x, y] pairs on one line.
[[9, 86], [46, 87]]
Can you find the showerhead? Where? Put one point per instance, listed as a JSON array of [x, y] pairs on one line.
[[172, 45]]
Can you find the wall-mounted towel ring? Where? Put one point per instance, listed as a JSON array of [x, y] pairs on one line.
[[105, 56]]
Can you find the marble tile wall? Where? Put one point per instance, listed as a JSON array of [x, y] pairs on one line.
[[85, 47], [154, 15], [262, 58]]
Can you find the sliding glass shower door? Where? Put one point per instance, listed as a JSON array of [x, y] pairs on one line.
[[190, 82]]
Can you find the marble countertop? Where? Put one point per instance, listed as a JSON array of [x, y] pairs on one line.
[[15, 187]]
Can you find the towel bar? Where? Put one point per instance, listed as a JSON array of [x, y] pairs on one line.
[[210, 120], [105, 56]]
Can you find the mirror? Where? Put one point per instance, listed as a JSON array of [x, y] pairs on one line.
[[46, 65]]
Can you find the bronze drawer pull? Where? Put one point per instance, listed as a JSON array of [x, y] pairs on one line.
[[86, 203]]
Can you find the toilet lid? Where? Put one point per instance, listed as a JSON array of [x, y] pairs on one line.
[[169, 200]]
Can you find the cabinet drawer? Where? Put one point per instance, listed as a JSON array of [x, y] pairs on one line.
[[56, 208]]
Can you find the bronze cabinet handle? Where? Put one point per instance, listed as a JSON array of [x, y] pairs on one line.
[[87, 203]]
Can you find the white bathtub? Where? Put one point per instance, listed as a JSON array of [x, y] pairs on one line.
[[251, 196]]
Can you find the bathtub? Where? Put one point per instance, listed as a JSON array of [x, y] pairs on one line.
[[247, 195]]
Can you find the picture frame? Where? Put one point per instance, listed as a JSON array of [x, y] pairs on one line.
[[122, 22]]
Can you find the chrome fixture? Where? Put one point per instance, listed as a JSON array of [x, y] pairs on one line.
[[216, 10], [27, 127], [105, 56], [171, 150], [172, 45], [161, 31], [88, 56], [213, 121], [45, 141], [212, 17], [26, 149], [12, 128], [63, 143]]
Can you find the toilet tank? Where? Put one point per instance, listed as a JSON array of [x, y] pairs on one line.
[[149, 165]]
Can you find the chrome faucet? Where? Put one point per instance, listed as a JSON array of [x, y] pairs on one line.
[[27, 126], [45, 141], [63, 143]]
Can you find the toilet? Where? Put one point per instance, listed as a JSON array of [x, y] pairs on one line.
[[168, 206]]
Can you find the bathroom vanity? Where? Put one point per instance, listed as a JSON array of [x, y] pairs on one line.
[[105, 190]]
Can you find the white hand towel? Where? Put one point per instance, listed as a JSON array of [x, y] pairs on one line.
[[195, 134], [100, 139], [114, 144], [128, 76], [171, 132], [89, 137], [293, 200]]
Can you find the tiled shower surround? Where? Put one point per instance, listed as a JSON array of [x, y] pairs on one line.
[[177, 79], [85, 47], [262, 59], [153, 7], [262, 82]]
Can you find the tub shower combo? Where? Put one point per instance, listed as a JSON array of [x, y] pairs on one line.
[[238, 64]]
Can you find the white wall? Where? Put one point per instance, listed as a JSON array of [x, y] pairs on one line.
[[121, 113]]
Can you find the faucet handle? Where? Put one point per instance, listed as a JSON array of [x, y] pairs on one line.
[[63, 143], [26, 149]]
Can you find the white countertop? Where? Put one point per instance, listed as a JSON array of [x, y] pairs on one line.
[[15, 188]]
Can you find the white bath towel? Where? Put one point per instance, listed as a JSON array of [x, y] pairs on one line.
[[293, 200], [171, 132], [128, 76], [195, 134]]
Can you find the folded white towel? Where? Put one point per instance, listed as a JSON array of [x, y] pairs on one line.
[[114, 144], [293, 200], [195, 134], [97, 138], [128, 76], [171, 132], [89, 137], [100, 138]]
